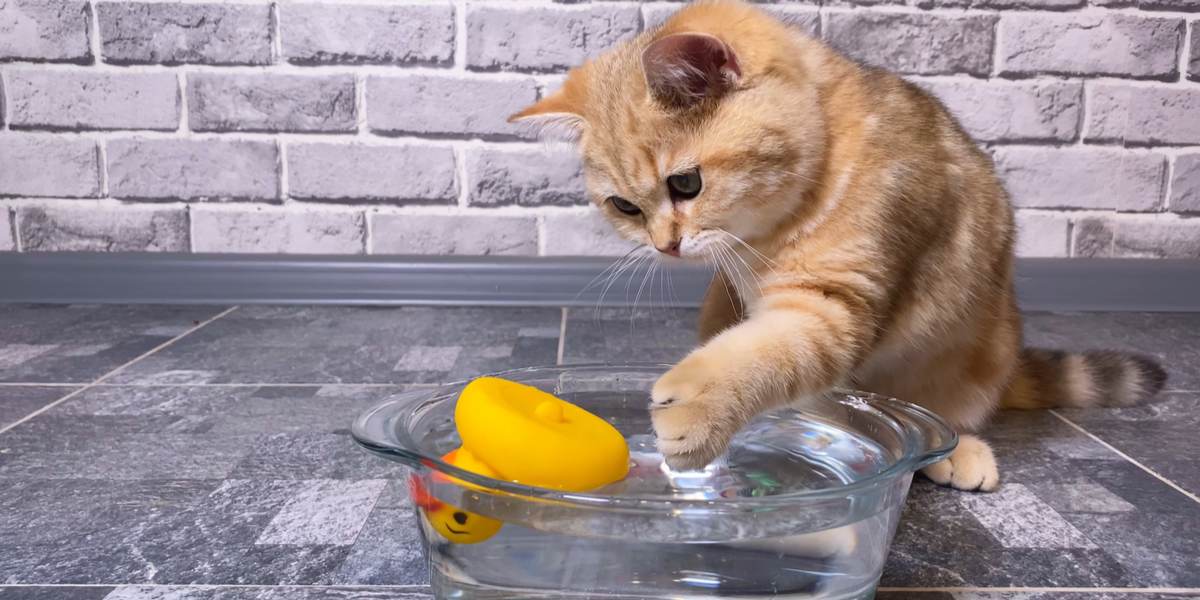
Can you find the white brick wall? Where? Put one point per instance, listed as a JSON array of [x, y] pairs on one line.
[[361, 126]]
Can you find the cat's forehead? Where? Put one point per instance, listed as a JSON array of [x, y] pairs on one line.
[[631, 170]]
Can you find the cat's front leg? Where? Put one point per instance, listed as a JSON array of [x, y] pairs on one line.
[[721, 308], [799, 346]]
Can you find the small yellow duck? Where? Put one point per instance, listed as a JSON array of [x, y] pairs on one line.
[[518, 433]]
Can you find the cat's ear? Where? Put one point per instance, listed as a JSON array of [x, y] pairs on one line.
[[555, 117], [684, 68]]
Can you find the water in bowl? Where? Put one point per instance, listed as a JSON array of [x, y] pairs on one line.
[[832, 550]]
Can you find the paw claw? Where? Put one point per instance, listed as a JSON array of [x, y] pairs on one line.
[[691, 415]]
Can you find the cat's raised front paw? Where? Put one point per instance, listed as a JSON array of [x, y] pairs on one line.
[[971, 467], [694, 413]]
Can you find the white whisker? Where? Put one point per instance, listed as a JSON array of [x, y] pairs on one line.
[[631, 262], [749, 271], [803, 178], [764, 258], [645, 277], [720, 273], [732, 273], [606, 270]]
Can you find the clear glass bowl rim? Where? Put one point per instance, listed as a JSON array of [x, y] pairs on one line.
[[916, 454]]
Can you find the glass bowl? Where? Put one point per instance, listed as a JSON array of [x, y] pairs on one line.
[[803, 505]]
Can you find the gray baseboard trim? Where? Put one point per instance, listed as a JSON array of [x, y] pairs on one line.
[[1043, 284]]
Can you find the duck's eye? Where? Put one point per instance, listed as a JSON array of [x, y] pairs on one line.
[[685, 186], [624, 205]]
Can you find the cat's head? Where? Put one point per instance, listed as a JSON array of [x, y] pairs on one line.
[[701, 130]]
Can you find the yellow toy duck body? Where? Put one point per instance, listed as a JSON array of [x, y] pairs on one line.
[[518, 433]]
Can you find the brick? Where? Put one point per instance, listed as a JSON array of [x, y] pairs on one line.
[[1000, 111], [1042, 234], [446, 105], [1092, 178], [1093, 239], [1194, 55], [174, 33], [46, 165], [1181, 5], [1004, 4], [536, 176], [92, 100], [845, 3], [1130, 236], [471, 235], [1143, 114], [548, 84], [261, 102], [1089, 44], [208, 169], [1156, 238], [276, 230], [1185, 184], [7, 243], [804, 18], [654, 15], [358, 172], [1171, 5], [403, 34], [44, 30], [551, 37], [103, 228], [587, 234], [915, 43]]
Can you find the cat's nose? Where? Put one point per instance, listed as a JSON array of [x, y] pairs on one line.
[[671, 249]]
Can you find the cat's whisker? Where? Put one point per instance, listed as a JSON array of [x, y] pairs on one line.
[[662, 290], [635, 256], [762, 257], [803, 178], [749, 270], [712, 251], [606, 270], [645, 277], [606, 278], [611, 278], [670, 286], [731, 269]]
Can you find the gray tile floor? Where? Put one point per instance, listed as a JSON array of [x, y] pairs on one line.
[[203, 453]]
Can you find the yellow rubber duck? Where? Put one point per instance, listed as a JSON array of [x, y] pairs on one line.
[[518, 433]]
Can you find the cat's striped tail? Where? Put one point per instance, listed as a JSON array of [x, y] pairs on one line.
[[1052, 378]]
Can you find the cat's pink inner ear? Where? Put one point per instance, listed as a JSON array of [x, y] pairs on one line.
[[684, 68]]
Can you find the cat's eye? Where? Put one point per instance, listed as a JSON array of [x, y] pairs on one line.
[[685, 186], [624, 205]]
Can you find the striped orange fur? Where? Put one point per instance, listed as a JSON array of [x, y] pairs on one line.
[[862, 238]]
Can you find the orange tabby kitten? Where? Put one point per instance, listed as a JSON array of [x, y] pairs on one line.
[[861, 237]]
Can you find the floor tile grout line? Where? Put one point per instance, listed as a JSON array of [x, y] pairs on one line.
[[1135, 462], [251, 384], [1037, 590], [562, 337], [42, 384], [117, 370], [420, 588], [216, 586]]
